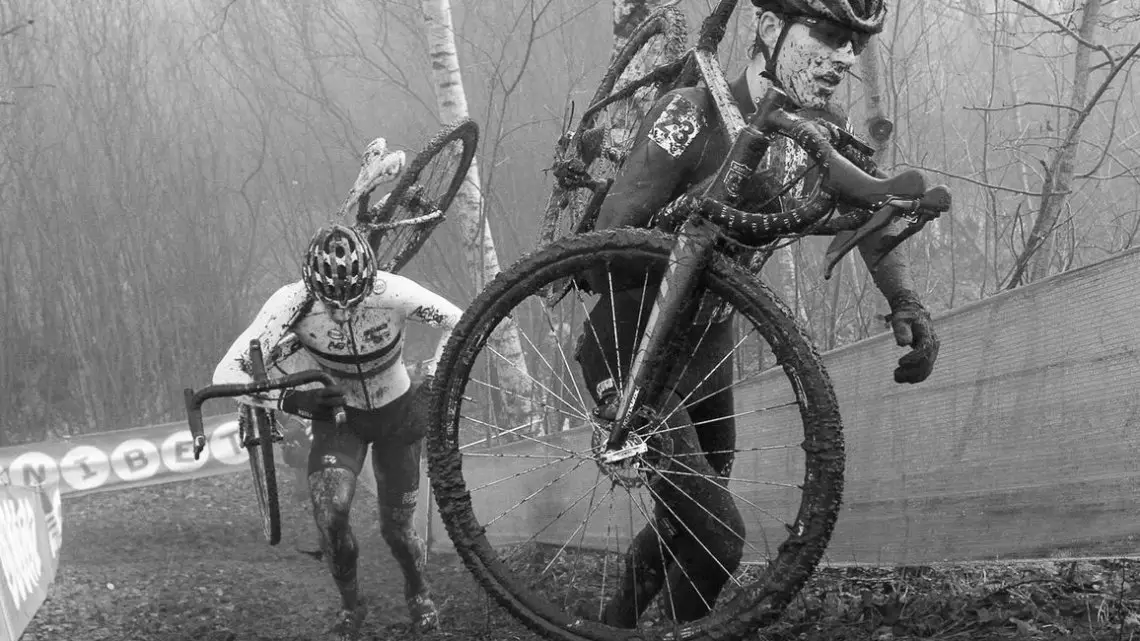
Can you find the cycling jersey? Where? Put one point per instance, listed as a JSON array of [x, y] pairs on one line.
[[363, 354], [681, 143]]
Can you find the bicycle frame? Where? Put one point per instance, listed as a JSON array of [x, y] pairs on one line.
[[693, 248], [698, 237]]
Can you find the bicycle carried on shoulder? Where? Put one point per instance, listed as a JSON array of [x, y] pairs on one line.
[[397, 228], [400, 224], [545, 524]]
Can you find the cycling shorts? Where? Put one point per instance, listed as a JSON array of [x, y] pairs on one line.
[[395, 432]]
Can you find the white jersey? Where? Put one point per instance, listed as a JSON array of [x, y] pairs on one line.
[[363, 353]]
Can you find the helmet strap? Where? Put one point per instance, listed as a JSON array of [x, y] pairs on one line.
[[770, 68]]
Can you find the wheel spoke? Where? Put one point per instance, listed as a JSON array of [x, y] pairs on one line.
[[556, 516], [696, 537], [579, 414], [708, 374], [759, 410], [597, 339], [523, 435], [581, 526], [533, 379], [733, 493], [516, 475], [640, 503], [537, 492], [565, 361]]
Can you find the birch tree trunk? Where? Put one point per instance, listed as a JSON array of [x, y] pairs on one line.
[[479, 246], [879, 134], [1059, 176]]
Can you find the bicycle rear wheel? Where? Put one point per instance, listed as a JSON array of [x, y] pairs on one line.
[[588, 157], [425, 191], [258, 437], [545, 526]]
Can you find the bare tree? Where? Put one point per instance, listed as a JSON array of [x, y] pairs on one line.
[[1037, 255], [480, 248]]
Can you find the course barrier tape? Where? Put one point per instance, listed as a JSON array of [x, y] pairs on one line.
[[126, 458], [30, 537]]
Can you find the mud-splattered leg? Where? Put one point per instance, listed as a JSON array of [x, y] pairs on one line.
[[332, 490], [397, 487]]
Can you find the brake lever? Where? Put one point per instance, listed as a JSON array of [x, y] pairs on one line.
[[918, 213], [937, 201]]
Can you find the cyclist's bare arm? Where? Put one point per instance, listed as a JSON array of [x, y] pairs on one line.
[[270, 325], [422, 305]]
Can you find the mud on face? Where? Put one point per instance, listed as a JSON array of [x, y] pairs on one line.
[[810, 70]]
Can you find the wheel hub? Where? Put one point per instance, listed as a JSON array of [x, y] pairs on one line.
[[629, 466]]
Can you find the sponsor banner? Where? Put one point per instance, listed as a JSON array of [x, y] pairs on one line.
[[125, 458], [30, 537]]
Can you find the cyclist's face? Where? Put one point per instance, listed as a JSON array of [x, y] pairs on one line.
[[812, 67]]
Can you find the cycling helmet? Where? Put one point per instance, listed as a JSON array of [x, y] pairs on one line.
[[339, 267], [861, 16], [864, 16]]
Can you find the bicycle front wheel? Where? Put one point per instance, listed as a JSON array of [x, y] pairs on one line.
[[426, 189], [258, 438], [550, 530]]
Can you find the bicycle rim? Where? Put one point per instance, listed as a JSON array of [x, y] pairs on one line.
[[264, 469], [430, 183], [545, 528], [600, 141]]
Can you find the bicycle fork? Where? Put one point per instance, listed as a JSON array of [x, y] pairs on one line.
[[691, 252]]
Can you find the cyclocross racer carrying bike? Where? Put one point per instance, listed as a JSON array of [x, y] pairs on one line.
[[347, 318], [805, 47]]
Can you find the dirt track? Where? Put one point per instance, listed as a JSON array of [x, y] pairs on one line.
[[187, 561]]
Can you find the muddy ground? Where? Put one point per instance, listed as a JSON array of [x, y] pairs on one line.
[[187, 561]]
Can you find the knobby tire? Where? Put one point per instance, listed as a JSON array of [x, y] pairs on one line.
[[465, 131], [758, 604], [264, 468]]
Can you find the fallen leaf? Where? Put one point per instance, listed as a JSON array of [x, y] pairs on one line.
[[1024, 628]]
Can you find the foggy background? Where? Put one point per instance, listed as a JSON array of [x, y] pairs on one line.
[[162, 165]]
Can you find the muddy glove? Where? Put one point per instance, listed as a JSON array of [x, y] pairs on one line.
[[913, 328], [295, 444], [317, 404]]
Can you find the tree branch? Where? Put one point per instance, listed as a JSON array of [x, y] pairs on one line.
[[972, 180], [1068, 30], [1028, 103]]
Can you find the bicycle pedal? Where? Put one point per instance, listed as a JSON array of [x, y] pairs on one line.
[[625, 453]]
